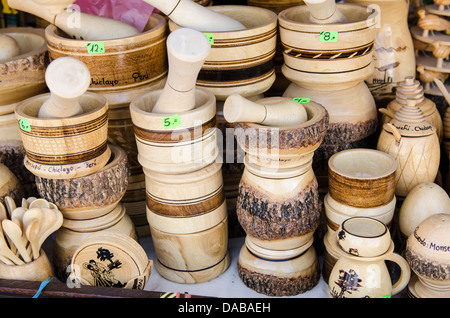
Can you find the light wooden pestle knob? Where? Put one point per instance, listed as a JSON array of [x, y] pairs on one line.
[[285, 113], [79, 25], [187, 50], [67, 79], [190, 14], [324, 12], [8, 47]]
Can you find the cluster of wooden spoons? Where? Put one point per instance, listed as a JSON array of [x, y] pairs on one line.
[[24, 229]]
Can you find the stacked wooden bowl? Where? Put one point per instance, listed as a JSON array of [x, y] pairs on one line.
[[328, 63], [278, 202], [143, 67], [186, 207], [22, 76], [361, 184]]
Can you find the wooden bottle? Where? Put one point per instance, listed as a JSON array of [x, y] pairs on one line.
[[187, 50], [324, 12], [67, 79], [189, 14], [414, 143], [283, 113], [78, 25]]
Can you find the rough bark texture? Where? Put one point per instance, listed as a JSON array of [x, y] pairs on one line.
[[99, 189], [265, 218], [272, 285]]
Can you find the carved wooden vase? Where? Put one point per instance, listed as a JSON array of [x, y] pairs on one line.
[[414, 144], [393, 52]]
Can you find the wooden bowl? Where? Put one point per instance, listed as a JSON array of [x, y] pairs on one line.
[[62, 148], [111, 259], [427, 253], [362, 177], [126, 63], [243, 61], [280, 277], [337, 212], [187, 146], [38, 270], [309, 60], [23, 76], [286, 146], [90, 196]]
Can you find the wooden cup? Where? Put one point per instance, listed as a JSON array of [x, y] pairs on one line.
[[55, 151], [242, 61], [38, 270], [362, 177]]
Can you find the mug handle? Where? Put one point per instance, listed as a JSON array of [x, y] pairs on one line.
[[405, 274]]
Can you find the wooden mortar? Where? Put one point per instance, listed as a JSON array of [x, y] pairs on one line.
[[53, 150], [242, 61], [188, 144], [126, 62]]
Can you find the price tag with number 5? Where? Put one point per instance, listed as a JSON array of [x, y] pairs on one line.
[[171, 121]]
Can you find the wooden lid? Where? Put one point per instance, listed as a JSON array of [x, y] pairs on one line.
[[111, 259]]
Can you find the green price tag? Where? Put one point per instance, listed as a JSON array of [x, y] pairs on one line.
[[24, 124], [210, 37], [95, 47], [302, 100], [387, 296], [328, 36], [171, 121]]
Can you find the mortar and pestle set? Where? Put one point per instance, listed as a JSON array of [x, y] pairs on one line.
[[127, 64], [64, 133], [328, 54], [278, 202], [23, 58], [241, 61], [176, 136]]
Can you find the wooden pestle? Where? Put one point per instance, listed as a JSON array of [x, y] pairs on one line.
[[187, 50], [78, 25], [190, 14], [324, 12], [8, 47], [67, 79], [285, 113]]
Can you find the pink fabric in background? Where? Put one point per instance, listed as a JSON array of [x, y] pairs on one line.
[[133, 12]]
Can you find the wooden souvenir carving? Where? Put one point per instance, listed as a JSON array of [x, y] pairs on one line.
[[349, 277], [393, 50], [142, 58], [414, 143], [77, 24]]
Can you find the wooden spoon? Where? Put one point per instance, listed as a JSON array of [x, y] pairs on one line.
[[32, 234], [3, 213], [39, 203], [10, 205], [5, 252], [25, 203], [14, 232], [55, 220]]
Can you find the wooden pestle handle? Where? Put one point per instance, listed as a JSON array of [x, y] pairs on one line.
[[324, 12], [67, 79], [285, 113], [78, 25], [190, 14], [187, 50]]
